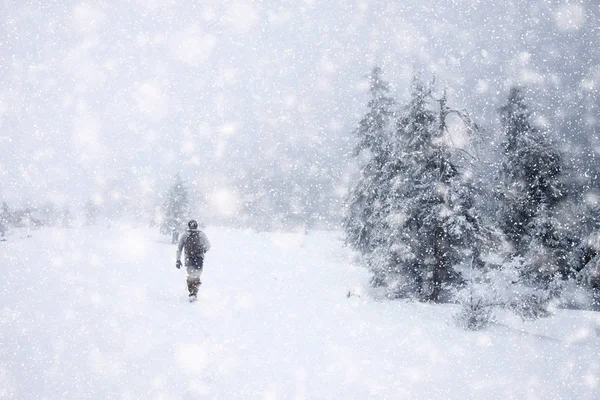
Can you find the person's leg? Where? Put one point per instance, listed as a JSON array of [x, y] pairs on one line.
[[193, 280]]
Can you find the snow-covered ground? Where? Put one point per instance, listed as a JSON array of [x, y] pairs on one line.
[[103, 314]]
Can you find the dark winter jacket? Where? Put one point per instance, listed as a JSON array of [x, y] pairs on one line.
[[190, 259]]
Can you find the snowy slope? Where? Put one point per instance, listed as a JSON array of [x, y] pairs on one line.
[[103, 314]]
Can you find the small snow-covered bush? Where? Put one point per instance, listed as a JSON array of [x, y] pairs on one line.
[[514, 292], [502, 287], [476, 312]]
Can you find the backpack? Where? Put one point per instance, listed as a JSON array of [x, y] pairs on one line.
[[194, 248]]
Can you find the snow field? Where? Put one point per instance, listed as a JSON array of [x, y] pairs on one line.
[[103, 314]]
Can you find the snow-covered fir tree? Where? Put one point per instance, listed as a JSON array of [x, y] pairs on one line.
[[431, 228], [363, 216], [531, 190], [176, 207], [585, 260], [522, 276]]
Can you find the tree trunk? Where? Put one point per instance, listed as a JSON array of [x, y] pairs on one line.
[[439, 265]]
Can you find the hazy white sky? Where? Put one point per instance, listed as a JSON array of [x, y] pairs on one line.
[[99, 95]]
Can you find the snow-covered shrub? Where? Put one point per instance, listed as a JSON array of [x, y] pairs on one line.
[[476, 310], [589, 277], [503, 287], [514, 292]]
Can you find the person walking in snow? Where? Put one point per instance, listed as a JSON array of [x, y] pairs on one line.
[[196, 244]]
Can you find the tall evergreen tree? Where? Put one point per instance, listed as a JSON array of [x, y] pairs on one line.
[[585, 260], [175, 207], [432, 230], [363, 206], [531, 190]]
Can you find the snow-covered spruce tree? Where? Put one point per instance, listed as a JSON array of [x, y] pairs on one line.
[[531, 190], [431, 228], [477, 301], [586, 260], [520, 279], [363, 214], [175, 208]]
